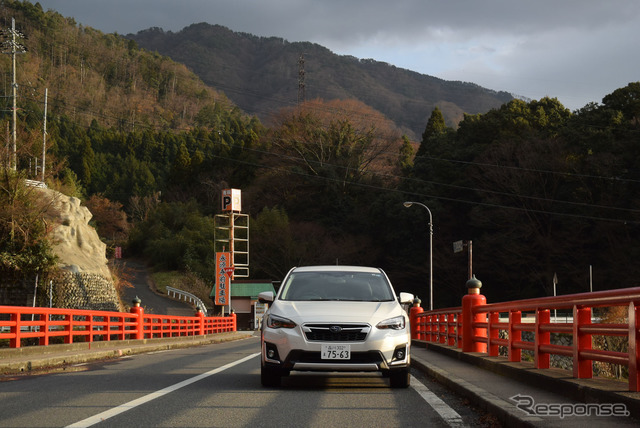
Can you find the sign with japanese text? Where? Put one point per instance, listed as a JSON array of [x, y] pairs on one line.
[[258, 313], [231, 200], [223, 280]]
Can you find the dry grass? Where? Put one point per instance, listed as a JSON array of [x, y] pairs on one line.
[[182, 281]]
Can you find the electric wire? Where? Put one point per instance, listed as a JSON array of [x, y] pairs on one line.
[[419, 181], [65, 106]]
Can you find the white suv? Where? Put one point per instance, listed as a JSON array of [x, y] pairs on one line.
[[336, 318]]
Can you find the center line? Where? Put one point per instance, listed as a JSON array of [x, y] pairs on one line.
[[149, 397]]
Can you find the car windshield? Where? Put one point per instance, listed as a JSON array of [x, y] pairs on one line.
[[350, 286]]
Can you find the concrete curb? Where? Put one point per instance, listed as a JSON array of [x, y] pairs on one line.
[[36, 358], [505, 411], [554, 380]]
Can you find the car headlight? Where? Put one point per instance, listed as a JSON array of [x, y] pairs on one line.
[[396, 323], [274, 321]]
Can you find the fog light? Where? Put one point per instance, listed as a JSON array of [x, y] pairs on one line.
[[400, 353], [271, 352]]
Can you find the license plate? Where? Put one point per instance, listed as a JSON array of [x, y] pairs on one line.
[[336, 352]]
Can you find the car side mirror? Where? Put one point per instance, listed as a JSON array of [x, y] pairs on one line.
[[406, 298], [266, 297]]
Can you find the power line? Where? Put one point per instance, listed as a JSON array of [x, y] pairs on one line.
[[430, 196], [434, 183], [476, 164], [519, 168]]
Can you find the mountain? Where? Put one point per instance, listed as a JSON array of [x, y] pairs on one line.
[[262, 74], [95, 76]]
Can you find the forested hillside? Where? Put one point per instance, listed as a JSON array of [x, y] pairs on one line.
[[91, 75], [113, 107], [261, 75], [538, 189]]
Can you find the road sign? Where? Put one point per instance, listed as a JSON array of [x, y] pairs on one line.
[[231, 200], [223, 285], [458, 246]]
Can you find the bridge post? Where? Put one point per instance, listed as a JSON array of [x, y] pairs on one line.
[[582, 367], [469, 332], [68, 328], [494, 333], [515, 336], [413, 318], [201, 327], [138, 310], [451, 331], [44, 340], [14, 342], [423, 327], [542, 359], [459, 330], [442, 330], [634, 349]]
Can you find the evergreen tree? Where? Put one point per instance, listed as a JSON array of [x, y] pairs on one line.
[[435, 127]]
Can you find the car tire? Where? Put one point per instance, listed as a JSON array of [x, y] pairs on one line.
[[399, 378], [270, 377]]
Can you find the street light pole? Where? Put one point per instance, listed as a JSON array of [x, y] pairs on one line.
[[407, 205]]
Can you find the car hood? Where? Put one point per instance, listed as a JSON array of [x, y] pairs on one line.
[[336, 311]]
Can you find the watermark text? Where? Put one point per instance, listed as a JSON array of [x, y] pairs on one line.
[[528, 405]]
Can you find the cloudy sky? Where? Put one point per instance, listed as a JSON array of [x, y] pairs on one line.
[[575, 50]]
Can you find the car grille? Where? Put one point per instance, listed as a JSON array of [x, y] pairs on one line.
[[336, 332]]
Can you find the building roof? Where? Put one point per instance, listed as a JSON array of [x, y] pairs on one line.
[[249, 289]]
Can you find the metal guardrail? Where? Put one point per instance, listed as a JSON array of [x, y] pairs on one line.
[[188, 297], [35, 183]]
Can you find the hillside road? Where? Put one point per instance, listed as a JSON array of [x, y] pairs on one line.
[[152, 302]]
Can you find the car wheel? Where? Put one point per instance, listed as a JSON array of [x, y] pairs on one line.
[[399, 378], [270, 376]]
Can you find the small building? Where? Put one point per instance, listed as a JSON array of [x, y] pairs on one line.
[[244, 301]]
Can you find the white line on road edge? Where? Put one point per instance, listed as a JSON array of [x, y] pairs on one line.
[[450, 416], [149, 397]]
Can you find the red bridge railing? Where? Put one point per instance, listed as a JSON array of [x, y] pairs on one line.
[[39, 326], [477, 326]]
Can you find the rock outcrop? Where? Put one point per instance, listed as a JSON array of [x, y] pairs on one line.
[[76, 243], [86, 282]]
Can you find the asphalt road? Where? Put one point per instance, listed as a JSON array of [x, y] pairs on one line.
[[219, 386], [151, 301]]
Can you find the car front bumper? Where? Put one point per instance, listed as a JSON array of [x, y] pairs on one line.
[[382, 350]]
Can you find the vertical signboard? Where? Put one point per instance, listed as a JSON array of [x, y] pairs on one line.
[[258, 313], [223, 281], [231, 200]]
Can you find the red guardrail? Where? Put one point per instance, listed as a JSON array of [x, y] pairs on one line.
[[476, 327], [18, 324]]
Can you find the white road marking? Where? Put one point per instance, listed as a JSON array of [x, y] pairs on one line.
[[149, 397], [450, 416]]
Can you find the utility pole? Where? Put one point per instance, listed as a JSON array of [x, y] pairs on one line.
[[14, 48], [44, 132], [301, 85]]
